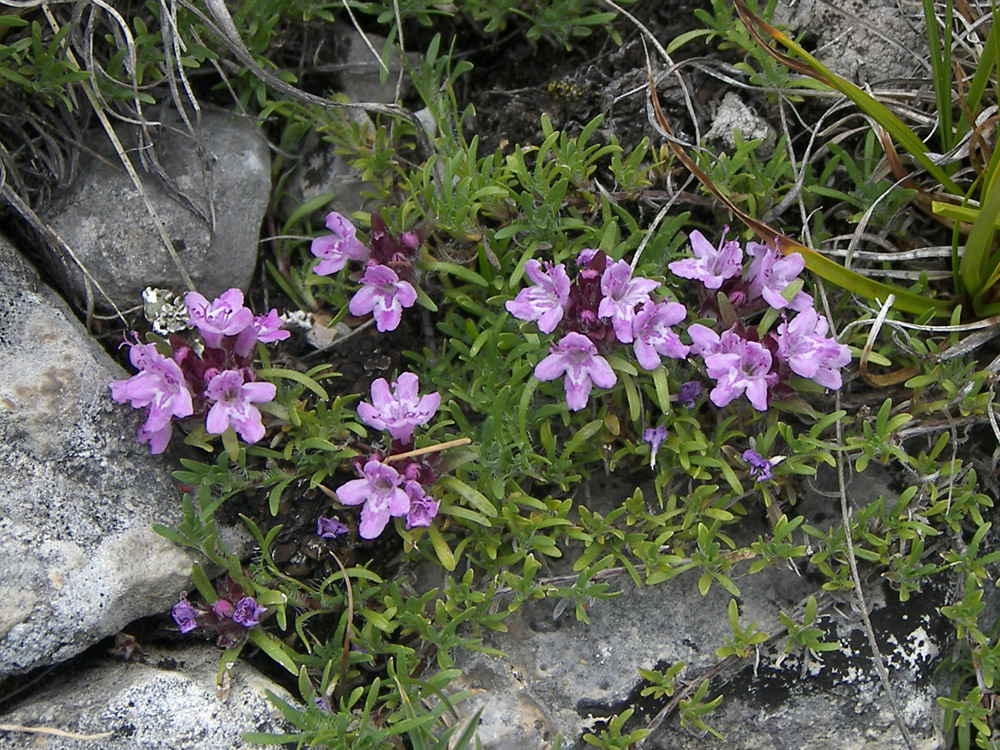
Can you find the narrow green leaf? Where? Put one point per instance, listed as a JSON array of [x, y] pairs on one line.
[[298, 377]]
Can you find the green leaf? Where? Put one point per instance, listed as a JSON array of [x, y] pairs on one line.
[[273, 648], [298, 377]]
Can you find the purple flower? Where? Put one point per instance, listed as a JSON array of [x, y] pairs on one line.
[[223, 316], [384, 295], [381, 494], [654, 436], [248, 612], [234, 407], [653, 336], [622, 294], [689, 393], [185, 615], [546, 301], [738, 366], [711, 266], [161, 387], [423, 509], [760, 467], [330, 528], [770, 273], [400, 410], [804, 345], [223, 609], [577, 357], [263, 328], [334, 250]]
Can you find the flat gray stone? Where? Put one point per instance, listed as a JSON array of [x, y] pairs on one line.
[[79, 493], [212, 212]]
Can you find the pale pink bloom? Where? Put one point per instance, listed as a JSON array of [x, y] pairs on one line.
[[739, 366], [263, 328], [654, 337], [223, 316], [423, 509], [334, 250], [770, 273], [710, 265], [400, 409], [577, 357], [234, 405], [546, 300], [622, 294], [381, 494], [804, 345], [384, 295]]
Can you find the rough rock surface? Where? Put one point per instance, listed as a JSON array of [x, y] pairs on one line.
[[860, 39], [79, 558], [168, 700], [733, 115], [212, 212], [561, 676]]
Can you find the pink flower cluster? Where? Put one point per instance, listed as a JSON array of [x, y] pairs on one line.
[[220, 383], [603, 307], [385, 283], [383, 490], [739, 362]]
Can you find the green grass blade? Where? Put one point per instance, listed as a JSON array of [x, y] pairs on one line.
[[940, 59]]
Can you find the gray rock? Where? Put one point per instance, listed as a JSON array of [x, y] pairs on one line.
[[212, 212], [559, 676], [170, 700], [79, 558], [733, 115], [861, 39]]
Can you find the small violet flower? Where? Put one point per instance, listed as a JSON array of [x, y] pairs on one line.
[[545, 301], [760, 467], [234, 405], [381, 494], [334, 250], [770, 273], [804, 345], [423, 509], [622, 294], [223, 316], [710, 265], [654, 436], [384, 295], [577, 357], [248, 612], [398, 410], [653, 335], [689, 393], [330, 528], [185, 615]]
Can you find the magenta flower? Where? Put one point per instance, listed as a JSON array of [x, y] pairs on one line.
[[738, 366], [622, 294], [234, 405], [760, 467], [770, 273], [546, 301], [423, 509], [383, 295], [223, 316], [710, 265], [224, 609], [159, 386], [398, 410], [248, 612], [577, 357], [330, 528], [381, 494], [804, 345], [655, 437], [185, 615], [653, 335], [334, 250], [263, 328]]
